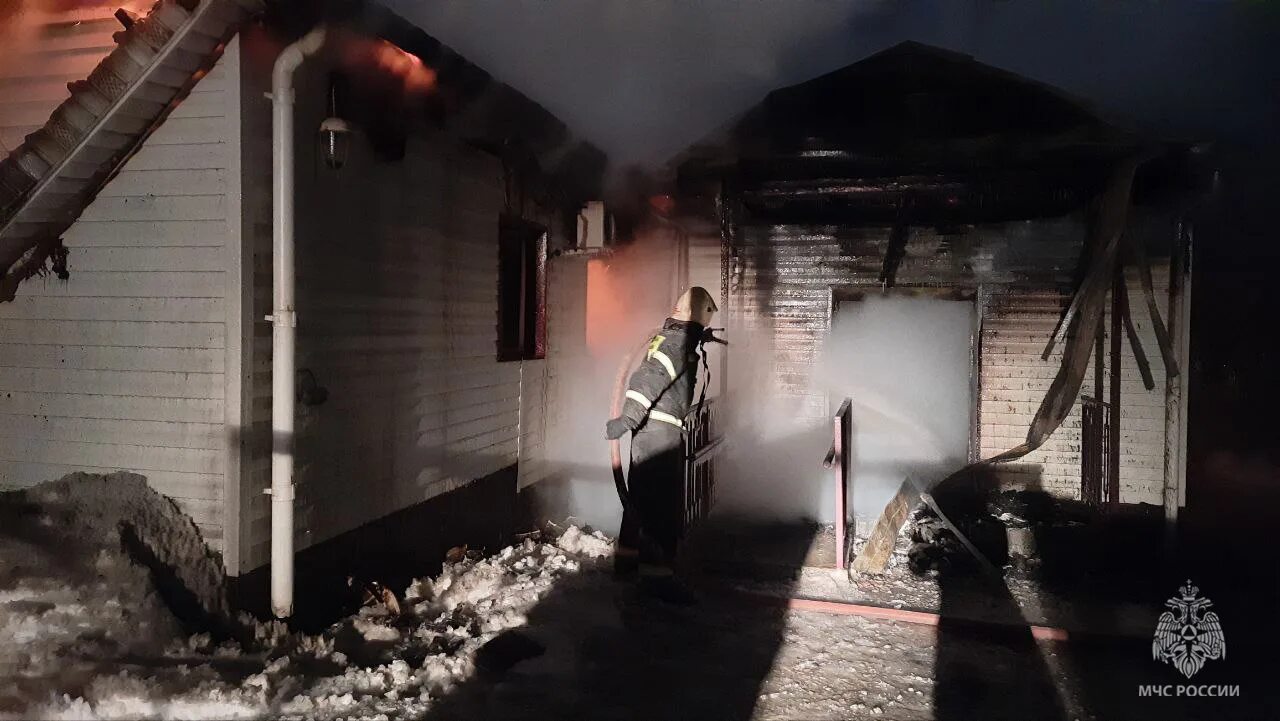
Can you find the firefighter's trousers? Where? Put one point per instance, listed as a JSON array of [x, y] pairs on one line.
[[656, 488]]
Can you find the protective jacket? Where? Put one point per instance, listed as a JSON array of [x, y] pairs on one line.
[[660, 391]]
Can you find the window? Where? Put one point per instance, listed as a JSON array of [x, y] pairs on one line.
[[522, 279]]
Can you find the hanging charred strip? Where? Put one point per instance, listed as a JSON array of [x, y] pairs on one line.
[[1143, 265], [894, 254], [1126, 314], [1069, 315], [1064, 323], [47, 256]]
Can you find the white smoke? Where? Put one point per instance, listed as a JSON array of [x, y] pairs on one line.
[[599, 311], [905, 363]]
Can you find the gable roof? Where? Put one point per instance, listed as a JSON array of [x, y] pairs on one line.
[[46, 182], [914, 106], [928, 133]]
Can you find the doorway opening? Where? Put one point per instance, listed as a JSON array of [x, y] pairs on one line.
[[906, 360]]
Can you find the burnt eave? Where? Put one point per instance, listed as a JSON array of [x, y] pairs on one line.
[[468, 101]]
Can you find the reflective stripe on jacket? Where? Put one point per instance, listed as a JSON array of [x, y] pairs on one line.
[[661, 389]]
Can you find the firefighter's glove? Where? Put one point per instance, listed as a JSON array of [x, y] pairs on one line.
[[617, 427]]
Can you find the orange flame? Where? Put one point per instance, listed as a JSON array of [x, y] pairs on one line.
[[417, 77], [379, 58]]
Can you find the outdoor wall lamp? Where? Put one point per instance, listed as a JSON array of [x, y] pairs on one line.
[[335, 132]]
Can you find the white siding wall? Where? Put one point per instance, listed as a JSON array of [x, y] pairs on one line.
[[397, 318], [566, 372], [1016, 328], [123, 366], [534, 406], [1142, 411]]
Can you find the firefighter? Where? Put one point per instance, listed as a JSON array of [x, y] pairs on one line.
[[659, 396]]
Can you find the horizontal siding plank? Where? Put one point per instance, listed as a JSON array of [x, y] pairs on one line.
[[114, 284], [182, 182], [177, 410], [210, 103], [203, 258], [107, 455], [1010, 436], [200, 310], [153, 208], [190, 131], [146, 234], [156, 334], [180, 360], [112, 383], [207, 436], [179, 157]]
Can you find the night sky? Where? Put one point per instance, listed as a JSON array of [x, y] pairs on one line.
[[643, 78]]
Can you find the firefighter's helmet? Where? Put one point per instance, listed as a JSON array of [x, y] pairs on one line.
[[695, 305]]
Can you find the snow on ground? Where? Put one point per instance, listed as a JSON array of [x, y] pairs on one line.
[[88, 630], [539, 629], [86, 635]]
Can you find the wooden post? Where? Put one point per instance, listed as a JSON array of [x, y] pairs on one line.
[[1175, 451], [1113, 436], [836, 459]]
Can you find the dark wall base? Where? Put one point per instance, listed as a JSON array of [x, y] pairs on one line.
[[392, 550], [547, 500]]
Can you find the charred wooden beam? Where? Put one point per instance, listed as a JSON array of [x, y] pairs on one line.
[[894, 254], [1135, 343], [1113, 440]]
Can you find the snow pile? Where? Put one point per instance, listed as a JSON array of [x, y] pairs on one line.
[[80, 560], [374, 664], [120, 508], [591, 545]]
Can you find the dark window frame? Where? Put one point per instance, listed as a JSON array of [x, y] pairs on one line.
[[522, 289]]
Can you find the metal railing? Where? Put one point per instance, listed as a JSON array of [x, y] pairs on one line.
[[701, 443], [1095, 449], [841, 427]]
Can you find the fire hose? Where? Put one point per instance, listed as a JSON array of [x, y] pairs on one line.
[[615, 410]]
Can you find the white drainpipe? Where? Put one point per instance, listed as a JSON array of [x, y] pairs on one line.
[[284, 320]]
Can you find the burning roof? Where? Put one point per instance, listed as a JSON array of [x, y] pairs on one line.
[[463, 97]]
